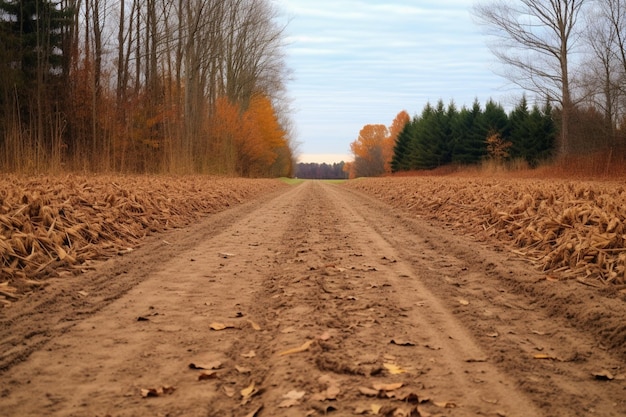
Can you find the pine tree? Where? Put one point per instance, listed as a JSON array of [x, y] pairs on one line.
[[543, 132], [400, 160], [433, 144], [521, 138], [495, 120], [469, 136], [35, 28]]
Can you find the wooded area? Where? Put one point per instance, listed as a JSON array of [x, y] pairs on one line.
[[143, 86], [444, 135], [567, 55], [323, 171]]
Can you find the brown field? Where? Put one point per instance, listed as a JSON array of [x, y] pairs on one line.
[[570, 229], [423, 296], [57, 225]]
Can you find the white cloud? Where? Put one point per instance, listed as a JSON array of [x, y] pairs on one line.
[[359, 62]]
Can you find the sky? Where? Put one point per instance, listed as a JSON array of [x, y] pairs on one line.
[[359, 62]]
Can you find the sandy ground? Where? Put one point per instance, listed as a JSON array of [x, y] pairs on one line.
[[312, 300]]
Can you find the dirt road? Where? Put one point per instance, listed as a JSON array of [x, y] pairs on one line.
[[314, 300]]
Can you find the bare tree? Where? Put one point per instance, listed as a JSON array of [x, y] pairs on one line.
[[535, 40], [604, 74]]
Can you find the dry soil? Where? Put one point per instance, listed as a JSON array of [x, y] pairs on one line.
[[313, 300]]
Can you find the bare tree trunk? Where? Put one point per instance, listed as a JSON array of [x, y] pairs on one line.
[[517, 27]]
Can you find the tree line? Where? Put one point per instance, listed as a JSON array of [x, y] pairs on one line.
[[194, 86], [570, 53], [323, 171], [443, 135], [566, 55]]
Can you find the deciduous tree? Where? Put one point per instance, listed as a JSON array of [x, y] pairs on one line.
[[535, 39]]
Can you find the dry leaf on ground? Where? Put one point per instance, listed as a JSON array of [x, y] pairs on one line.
[[387, 387], [254, 325], [298, 349], [394, 369], [221, 326], [157, 392]]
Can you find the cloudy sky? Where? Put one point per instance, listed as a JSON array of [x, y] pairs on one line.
[[358, 62]]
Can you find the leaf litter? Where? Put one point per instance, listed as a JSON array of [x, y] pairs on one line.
[[56, 225]]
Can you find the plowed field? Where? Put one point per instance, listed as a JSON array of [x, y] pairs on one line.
[[393, 297]]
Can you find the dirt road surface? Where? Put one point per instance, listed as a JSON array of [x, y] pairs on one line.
[[310, 301]]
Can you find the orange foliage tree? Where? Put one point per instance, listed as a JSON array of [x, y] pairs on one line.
[[389, 143], [251, 143], [373, 149]]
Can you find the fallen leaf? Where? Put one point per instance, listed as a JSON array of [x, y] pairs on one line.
[[464, 302], [149, 392], [368, 391], [83, 293], [543, 356], [298, 349], [388, 387], [330, 393], [444, 404], [208, 366], [291, 399], [207, 375], [376, 408], [603, 376], [294, 395], [394, 369], [229, 391], [254, 325], [324, 336], [249, 355], [220, 326], [248, 392], [402, 342], [288, 403], [409, 397], [157, 392], [243, 370]]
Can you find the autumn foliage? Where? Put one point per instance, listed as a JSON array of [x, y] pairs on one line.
[[143, 87], [373, 149]]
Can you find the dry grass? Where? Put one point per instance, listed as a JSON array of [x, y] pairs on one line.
[[569, 229], [55, 225]]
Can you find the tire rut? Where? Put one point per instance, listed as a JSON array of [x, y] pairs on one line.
[[316, 300]]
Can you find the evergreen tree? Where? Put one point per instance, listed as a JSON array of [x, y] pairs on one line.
[[543, 133], [469, 145], [36, 28], [33, 53], [521, 138], [495, 120], [533, 133], [400, 160], [434, 137]]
